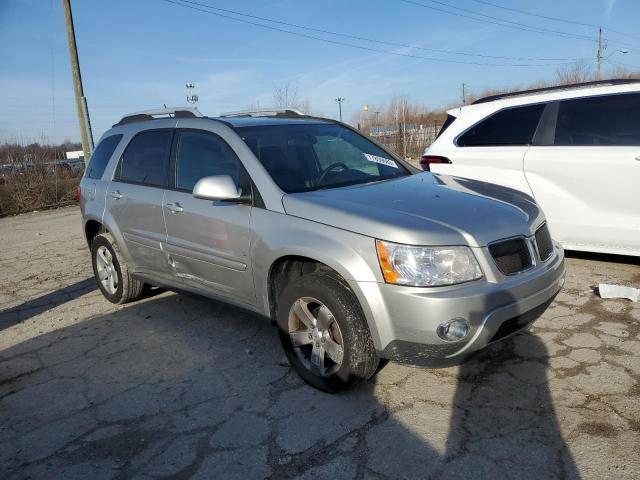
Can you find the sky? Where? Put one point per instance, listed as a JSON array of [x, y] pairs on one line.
[[139, 54]]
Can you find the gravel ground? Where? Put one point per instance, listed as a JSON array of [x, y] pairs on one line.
[[180, 387]]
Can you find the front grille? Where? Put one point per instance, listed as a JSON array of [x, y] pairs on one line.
[[511, 256], [544, 243]]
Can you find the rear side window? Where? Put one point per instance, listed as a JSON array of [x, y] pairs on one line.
[[201, 155], [146, 158], [606, 120], [512, 126], [101, 155]]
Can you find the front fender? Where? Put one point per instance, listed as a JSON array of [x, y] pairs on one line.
[[351, 255]]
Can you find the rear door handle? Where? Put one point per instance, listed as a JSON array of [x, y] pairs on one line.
[[116, 194], [175, 207], [638, 158]]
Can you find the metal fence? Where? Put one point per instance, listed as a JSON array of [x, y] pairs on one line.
[[408, 142]]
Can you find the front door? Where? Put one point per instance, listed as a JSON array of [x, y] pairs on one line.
[[208, 242], [134, 198]]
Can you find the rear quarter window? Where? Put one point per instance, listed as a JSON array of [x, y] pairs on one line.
[[511, 126], [447, 123], [101, 156]]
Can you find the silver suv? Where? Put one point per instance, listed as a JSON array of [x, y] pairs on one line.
[[355, 254]]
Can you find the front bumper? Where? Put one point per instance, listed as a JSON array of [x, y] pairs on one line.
[[405, 319]]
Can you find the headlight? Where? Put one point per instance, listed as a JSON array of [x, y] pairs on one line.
[[426, 266]]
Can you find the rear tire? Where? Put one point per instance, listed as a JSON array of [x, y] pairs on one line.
[[334, 325], [111, 271]]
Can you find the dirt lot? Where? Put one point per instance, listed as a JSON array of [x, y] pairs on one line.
[[181, 387]]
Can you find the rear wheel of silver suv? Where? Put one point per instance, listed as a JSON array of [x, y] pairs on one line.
[[111, 271], [324, 333]]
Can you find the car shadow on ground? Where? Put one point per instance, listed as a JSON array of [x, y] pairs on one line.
[[31, 308], [181, 387]]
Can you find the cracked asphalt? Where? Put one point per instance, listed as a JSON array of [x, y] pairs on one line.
[[179, 387]]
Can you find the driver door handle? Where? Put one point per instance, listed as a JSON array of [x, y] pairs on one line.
[[116, 194], [174, 207]]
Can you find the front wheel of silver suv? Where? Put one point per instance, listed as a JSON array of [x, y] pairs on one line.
[[324, 333], [112, 272]]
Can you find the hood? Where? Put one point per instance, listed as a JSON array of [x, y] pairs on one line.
[[422, 209]]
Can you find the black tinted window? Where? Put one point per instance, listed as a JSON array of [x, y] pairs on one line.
[[146, 157], [203, 155], [607, 120], [450, 119], [101, 155], [513, 126]]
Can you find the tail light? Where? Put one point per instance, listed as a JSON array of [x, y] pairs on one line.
[[78, 192], [427, 160]]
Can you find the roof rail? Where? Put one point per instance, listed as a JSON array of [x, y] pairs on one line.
[[175, 112], [266, 112], [613, 81]]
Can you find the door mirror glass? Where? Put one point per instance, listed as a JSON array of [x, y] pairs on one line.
[[218, 187]]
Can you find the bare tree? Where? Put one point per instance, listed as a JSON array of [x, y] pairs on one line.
[[286, 95], [576, 72]]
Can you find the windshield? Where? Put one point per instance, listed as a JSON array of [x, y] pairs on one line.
[[306, 157]]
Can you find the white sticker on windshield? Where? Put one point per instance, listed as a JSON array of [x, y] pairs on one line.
[[384, 161]]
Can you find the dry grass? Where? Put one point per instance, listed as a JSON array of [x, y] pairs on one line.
[[37, 189]]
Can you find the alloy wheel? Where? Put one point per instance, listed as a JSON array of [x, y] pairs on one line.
[[107, 273], [315, 336]]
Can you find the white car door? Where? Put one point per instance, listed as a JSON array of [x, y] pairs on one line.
[[587, 179], [493, 149]]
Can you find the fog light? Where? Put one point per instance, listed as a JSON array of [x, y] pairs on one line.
[[453, 330]]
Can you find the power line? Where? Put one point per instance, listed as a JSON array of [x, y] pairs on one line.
[[555, 19], [192, 6], [622, 64], [506, 23], [367, 39], [497, 20]]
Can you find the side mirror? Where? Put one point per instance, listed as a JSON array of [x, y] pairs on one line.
[[219, 187]]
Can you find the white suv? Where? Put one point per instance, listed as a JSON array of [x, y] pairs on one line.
[[576, 149]]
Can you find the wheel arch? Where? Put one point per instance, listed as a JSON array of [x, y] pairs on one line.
[[92, 227], [285, 265]]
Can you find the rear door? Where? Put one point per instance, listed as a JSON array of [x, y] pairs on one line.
[[493, 149], [208, 242], [586, 173], [134, 198]]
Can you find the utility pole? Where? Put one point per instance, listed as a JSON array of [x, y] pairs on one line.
[[464, 94], [340, 100], [404, 130], [599, 53], [81, 102]]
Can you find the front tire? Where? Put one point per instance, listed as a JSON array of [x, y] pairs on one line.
[[324, 333], [111, 271]]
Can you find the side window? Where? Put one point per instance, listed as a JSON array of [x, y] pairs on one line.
[[512, 126], [200, 154], [146, 158], [605, 120], [101, 156]]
